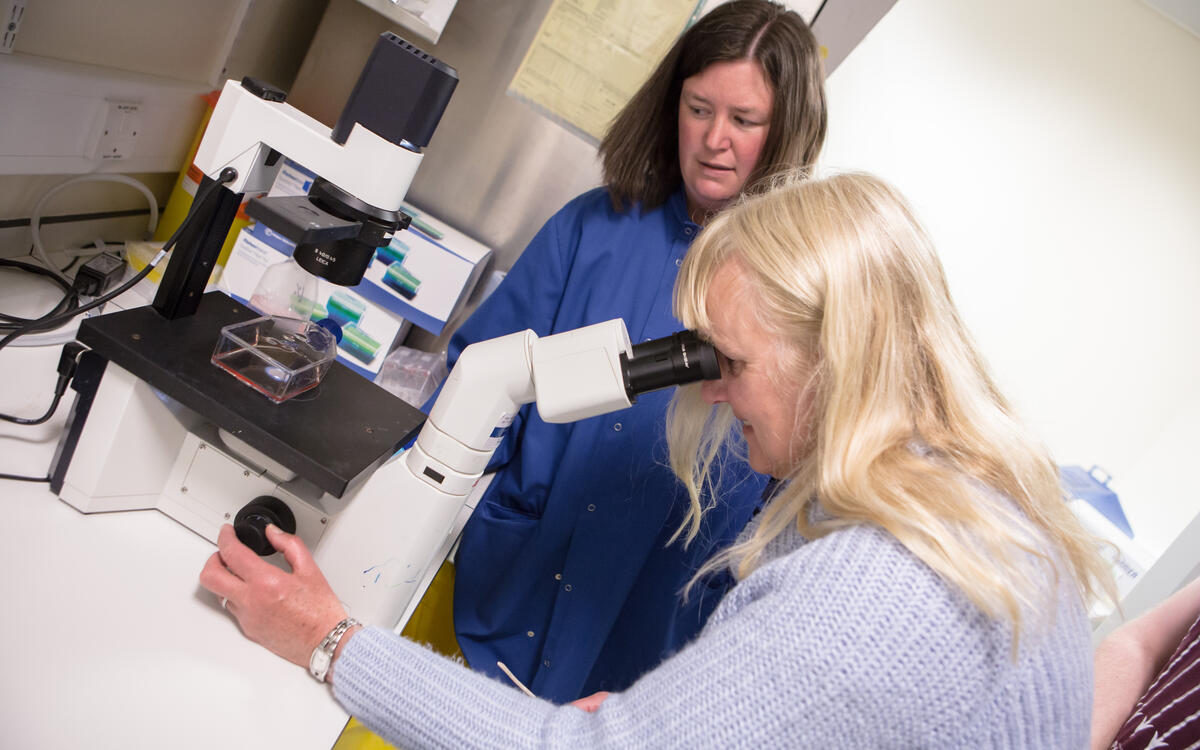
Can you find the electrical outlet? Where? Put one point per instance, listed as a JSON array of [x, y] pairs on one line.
[[119, 133], [13, 10], [66, 107]]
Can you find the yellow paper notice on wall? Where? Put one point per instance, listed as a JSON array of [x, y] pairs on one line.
[[590, 57]]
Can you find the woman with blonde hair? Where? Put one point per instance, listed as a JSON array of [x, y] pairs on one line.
[[915, 580]]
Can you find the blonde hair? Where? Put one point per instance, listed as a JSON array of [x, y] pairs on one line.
[[907, 430]]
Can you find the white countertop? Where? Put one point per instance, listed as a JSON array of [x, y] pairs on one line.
[[109, 640]]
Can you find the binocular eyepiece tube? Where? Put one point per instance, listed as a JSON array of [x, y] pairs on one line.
[[671, 360]]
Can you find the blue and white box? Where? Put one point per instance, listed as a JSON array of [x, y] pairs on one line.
[[423, 277]]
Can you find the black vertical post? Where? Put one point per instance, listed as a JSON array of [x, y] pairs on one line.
[[196, 251]]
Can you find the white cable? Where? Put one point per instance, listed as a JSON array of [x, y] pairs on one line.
[[48, 338], [35, 218]]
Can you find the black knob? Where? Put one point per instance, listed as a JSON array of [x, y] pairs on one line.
[[250, 523]]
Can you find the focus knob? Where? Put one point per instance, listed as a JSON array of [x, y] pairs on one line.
[[250, 523]]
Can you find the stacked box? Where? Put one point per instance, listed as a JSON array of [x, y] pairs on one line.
[[423, 277], [368, 330]]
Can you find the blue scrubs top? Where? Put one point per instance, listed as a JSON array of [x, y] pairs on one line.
[[564, 572]]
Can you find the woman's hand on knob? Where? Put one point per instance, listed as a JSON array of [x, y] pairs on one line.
[[288, 613]]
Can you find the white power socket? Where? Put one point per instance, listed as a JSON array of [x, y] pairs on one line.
[[12, 12], [63, 110], [119, 133]]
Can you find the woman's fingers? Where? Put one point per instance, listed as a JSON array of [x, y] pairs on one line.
[[293, 549], [242, 561], [216, 578], [286, 612], [591, 702]]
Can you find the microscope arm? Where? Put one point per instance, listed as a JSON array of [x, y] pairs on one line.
[[248, 132], [390, 540], [247, 136], [570, 375], [365, 166]]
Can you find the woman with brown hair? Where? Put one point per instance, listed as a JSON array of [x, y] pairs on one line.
[[564, 571]]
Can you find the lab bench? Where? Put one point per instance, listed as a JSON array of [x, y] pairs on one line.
[[110, 641]]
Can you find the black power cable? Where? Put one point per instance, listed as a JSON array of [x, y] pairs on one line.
[[17, 478], [67, 362], [70, 354], [53, 321], [70, 295]]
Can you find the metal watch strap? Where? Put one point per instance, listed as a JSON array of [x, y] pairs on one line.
[[322, 655]]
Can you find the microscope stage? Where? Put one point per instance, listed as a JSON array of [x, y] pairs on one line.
[[334, 435]]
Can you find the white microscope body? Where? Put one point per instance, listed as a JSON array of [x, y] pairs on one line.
[[168, 437], [380, 544], [380, 552], [245, 128]]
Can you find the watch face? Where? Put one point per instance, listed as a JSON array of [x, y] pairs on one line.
[[318, 665], [322, 655]]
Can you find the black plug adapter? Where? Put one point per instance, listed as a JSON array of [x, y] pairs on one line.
[[69, 359], [99, 274]]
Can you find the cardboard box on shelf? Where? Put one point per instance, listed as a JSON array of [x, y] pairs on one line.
[[368, 331], [423, 277]]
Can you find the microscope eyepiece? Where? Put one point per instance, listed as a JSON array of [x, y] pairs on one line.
[[672, 360]]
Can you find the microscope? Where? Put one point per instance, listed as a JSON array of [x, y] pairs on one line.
[[155, 424]]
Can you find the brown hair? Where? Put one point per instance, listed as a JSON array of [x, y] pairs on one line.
[[640, 151]]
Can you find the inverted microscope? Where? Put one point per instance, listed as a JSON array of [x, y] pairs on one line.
[[155, 424]]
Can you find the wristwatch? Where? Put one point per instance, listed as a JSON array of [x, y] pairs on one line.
[[322, 655]]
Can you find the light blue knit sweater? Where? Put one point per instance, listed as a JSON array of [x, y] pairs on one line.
[[845, 641]]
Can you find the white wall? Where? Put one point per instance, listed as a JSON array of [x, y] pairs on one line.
[[1052, 149], [72, 55]]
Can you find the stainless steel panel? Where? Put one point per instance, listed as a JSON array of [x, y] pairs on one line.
[[495, 169]]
